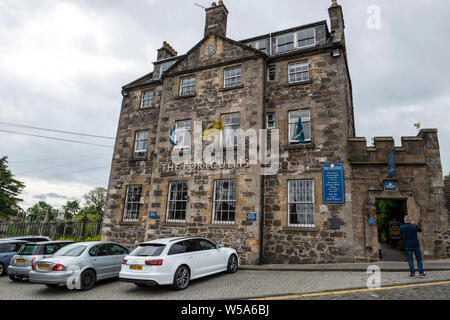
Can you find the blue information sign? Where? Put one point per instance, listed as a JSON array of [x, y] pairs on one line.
[[153, 215], [391, 164], [333, 183], [390, 185], [251, 216]]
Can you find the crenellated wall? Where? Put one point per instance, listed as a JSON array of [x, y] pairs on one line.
[[419, 182]]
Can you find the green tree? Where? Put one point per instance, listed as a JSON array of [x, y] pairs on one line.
[[417, 125], [95, 203], [447, 177], [9, 191], [71, 209], [39, 210]]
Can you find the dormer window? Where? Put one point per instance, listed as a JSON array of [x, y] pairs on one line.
[[166, 66], [306, 38], [285, 42], [298, 40], [260, 45]]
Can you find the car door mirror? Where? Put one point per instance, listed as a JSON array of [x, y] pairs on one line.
[[219, 246]]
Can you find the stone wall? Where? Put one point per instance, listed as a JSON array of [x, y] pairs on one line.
[[125, 170], [326, 96], [447, 192], [419, 182]]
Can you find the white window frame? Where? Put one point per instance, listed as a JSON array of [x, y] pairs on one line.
[[273, 120], [125, 214], [137, 140], [295, 65], [169, 201], [225, 77], [302, 202], [293, 124], [190, 84], [306, 46], [180, 132], [144, 99], [256, 45], [285, 35], [215, 201], [225, 130], [295, 40]]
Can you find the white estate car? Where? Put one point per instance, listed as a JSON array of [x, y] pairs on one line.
[[176, 261]]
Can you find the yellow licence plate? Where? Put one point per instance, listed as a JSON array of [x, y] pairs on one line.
[[135, 267], [44, 267], [20, 261]]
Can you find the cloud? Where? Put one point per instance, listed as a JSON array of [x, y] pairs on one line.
[[63, 62], [57, 193]]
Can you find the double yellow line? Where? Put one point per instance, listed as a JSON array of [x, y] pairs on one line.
[[329, 293]]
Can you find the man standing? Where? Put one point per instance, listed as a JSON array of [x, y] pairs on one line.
[[412, 246]]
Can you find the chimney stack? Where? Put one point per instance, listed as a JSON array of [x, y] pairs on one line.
[[166, 51], [216, 19], [336, 16], [337, 22]]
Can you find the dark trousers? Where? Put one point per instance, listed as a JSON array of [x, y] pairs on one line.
[[416, 252]]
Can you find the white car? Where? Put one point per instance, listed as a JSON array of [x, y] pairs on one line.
[[176, 261]]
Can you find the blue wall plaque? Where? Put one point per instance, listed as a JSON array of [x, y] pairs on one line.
[[251, 216], [333, 183], [390, 185], [391, 164], [153, 215]]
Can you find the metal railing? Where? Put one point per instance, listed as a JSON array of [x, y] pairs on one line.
[[77, 230]]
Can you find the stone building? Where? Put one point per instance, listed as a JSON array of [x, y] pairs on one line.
[[285, 80]]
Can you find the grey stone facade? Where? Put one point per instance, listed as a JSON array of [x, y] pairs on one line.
[[327, 94]]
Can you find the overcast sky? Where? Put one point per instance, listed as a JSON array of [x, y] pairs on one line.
[[63, 62]]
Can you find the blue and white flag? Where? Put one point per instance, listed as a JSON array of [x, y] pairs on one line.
[[299, 132], [172, 136]]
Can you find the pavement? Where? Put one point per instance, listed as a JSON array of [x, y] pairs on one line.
[[244, 284], [389, 266]]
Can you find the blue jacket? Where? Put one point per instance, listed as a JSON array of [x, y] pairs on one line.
[[409, 234]]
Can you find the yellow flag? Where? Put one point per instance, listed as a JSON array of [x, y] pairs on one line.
[[213, 129]]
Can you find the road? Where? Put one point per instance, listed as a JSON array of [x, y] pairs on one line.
[[241, 285]]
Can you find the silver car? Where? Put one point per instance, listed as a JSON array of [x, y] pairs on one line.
[[80, 265], [22, 263]]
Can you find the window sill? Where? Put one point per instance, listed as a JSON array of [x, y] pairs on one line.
[[300, 83], [231, 88], [173, 224], [185, 96], [135, 223], [146, 108], [308, 145], [302, 229], [132, 159], [223, 226]]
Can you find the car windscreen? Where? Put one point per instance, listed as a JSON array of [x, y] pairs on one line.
[[71, 251], [28, 250], [148, 250]]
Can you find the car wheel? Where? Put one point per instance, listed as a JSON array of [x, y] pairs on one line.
[[232, 264], [87, 279], [2, 269], [181, 278], [52, 285], [15, 278]]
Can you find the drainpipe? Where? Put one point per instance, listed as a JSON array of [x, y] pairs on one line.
[[263, 178]]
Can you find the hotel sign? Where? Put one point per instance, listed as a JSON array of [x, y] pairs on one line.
[[171, 167], [333, 183]]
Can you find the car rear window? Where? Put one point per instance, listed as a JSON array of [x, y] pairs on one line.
[[148, 250], [71, 251], [27, 250]]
